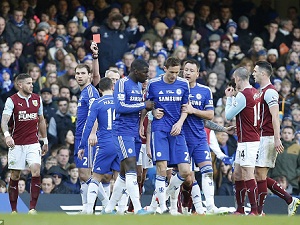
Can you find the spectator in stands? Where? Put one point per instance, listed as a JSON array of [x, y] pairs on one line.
[[245, 34], [213, 65], [50, 161], [39, 57], [72, 29], [287, 163], [21, 185], [47, 184], [73, 182], [5, 10], [226, 187], [49, 107], [63, 155], [3, 188], [296, 118], [256, 46], [102, 9], [63, 15], [74, 88], [202, 14], [17, 49], [64, 92], [60, 43], [80, 18], [189, 29], [59, 175], [17, 29], [272, 57], [61, 121], [2, 28], [211, 82], [64, 79], [35, 72]]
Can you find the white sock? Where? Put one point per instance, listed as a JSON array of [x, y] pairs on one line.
[[154, 204], [133, 190], [208, 189], [119, 187], [83, 193], [160, 189], [196, 197], [106, 187], [174, 185], [122, 204], [102, 195], [92, 193], [174, 200]]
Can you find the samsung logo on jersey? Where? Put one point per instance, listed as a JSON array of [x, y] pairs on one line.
[[136, 99], [193, 102], [108, 102], [170, 99], [23, 116]]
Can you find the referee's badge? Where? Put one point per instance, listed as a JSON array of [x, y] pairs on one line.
[[35, 103]]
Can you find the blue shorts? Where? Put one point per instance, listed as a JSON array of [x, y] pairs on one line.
[[89, 152], [106, 158], [200, 153], [127, 146], [166, 147]]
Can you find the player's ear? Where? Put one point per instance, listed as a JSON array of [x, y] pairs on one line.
[[165, 69]]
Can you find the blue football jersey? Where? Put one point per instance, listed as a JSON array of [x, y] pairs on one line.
[[170, 98], [201, 98], [128, 99], [87, 97], [102, 109]]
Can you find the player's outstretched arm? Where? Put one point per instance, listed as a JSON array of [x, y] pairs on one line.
[[95, 65]]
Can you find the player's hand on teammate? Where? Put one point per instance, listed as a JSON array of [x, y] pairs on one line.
[[10, 142], [149, 105], [80, 154], [229, 92], [230, 130], [176, 129], [187, 108], [158, 113], [278, 146], [93, 139]]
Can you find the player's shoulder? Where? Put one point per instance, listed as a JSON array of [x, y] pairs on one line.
[[154, 80], [182, 80], [203, 87]]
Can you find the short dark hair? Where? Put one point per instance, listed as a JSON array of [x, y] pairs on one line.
[[40, 45], [63, 147], [79, 66], [139, 64], [22, 76], [47, 177], [172, 61], [64, 87], [105, 84], [62, 99], [192, 61], [266, 66], [288, 127]]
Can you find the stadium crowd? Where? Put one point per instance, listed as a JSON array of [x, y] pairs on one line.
[[48, 39]]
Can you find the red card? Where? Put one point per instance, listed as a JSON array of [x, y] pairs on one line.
[[96, 38]]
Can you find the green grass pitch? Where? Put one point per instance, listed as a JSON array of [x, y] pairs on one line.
[[64, 219]]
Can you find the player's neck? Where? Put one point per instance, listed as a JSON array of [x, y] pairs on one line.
[[108, 92], [192, 84], [82, 87], [133, 78], [23, 94], [264, 83]]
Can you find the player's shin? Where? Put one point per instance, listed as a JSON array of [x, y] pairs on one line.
[[34, 191], [133, 190], [92, 195], [208, 186], [123, 203], [160, 189], [197, 200], [119, 188]]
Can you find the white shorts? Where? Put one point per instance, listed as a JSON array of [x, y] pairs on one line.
[[24, 155], [246, 153], [144, 159], [266, 152]]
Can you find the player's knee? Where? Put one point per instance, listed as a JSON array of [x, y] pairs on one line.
[[15, 175], [207, 171]]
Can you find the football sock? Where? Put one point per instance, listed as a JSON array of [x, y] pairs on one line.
[[197, 200], [160, 189], [119, 188], [13, 194], [35, 189], [240, 193], [92, 193], [279, 191], [262, 190], [133, 190], [252, 194]]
